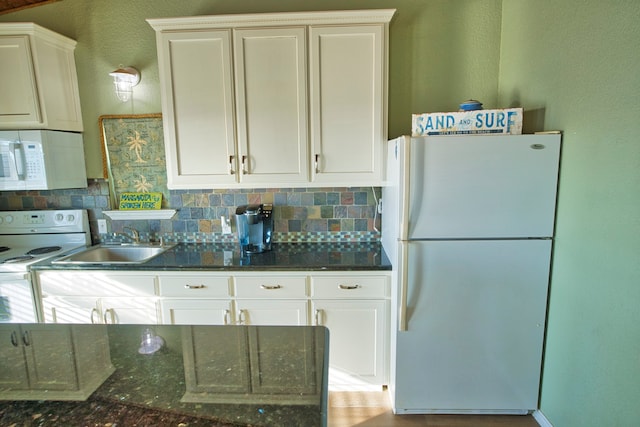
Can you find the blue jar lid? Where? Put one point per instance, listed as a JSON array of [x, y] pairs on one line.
[[471, 105]]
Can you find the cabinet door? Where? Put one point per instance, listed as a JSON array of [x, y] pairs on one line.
[[272, 312], [50, 358], [13, 365], [348, 103], [20, 102], [129, 311], [71, 310], [357, 333], [197, 104], [283, 362], [271, 88], [196, 311], [214, 368]]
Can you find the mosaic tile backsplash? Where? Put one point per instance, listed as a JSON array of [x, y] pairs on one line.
[[339, 214]]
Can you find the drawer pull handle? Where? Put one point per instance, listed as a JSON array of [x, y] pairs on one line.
[[187, 286], [348, 287], [270, 287], [14, 339], [25, 338], [225, 317], [318, 314]]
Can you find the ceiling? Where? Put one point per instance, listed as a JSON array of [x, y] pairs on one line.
[[7, 6]]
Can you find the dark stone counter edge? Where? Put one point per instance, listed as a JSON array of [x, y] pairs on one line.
[[186, 267], [367, 256]]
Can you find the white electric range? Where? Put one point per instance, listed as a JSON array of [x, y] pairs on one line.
[[29, 237]]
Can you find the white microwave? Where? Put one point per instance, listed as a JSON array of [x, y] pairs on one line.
[[41, 160]]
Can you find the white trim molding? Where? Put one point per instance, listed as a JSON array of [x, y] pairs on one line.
[[541, 419]]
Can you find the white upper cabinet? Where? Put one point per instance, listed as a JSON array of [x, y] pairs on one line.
[[39, 83], [198, 107], [348, 68], [275, 99], [271, 89]]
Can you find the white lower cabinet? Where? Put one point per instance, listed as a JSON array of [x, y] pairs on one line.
[[98, 297], [354, 306], [43, 363], [355, 309], [270, 312], [271, 299], [195, 299]]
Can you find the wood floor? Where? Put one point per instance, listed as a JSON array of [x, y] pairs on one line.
[[371, 409]]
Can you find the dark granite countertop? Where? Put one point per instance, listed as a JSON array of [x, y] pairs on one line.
[[348, 256], [199, 375]]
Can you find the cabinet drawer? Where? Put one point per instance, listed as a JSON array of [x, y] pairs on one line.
[[350, 287], [194, 286], [98, 283], [271, 287]]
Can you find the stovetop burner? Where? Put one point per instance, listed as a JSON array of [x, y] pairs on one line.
[[43, 250], [4, 248], [17, 259]]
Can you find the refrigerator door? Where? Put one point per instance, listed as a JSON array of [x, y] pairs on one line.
[[394, 196], [476, 319], [482, 186]]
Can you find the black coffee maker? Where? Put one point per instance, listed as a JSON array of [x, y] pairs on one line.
[[255, 226]]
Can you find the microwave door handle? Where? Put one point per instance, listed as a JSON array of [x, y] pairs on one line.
[[18, 156]]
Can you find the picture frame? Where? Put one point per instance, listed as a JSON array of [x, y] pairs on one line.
[[133, 155]]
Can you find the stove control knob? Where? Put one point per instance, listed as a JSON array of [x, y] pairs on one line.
[[70, 218], [8, 219], [59, 217]]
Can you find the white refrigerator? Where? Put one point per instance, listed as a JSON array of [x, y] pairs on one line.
[[467, 221]]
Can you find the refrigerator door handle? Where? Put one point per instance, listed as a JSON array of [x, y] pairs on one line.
[[403, 285]]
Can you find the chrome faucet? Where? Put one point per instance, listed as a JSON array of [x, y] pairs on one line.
[[135, 234]]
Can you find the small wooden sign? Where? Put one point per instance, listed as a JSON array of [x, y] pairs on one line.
[[140, 201]]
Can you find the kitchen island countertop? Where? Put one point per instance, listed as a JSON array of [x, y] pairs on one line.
[[199, 375]]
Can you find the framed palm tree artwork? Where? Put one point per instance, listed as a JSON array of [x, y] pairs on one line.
[[133, 155]]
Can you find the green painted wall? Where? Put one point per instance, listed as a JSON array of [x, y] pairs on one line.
[[442, 52], [578, 63]]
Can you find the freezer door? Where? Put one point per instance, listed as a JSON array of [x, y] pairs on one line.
[[476, 316], [482, 186]]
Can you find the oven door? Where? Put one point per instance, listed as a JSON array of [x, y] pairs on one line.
[[16, 298]]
